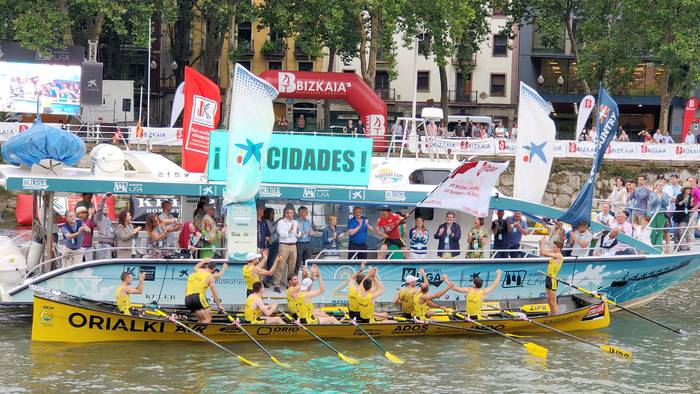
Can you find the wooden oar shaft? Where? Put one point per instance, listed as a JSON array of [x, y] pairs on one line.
[[244, 331], [454, 327], [566, 334], [493, 330], [370, 337], [199, 334], [615, 304]]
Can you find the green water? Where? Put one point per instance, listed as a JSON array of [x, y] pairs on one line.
[[663, 361]]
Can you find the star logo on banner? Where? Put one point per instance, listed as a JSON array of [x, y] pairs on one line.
[[251, 150], [536, 150]]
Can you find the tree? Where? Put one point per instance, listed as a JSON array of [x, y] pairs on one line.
[[452, 29], [673, 45]]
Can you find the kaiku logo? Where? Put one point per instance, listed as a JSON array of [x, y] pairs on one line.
[[572, 147], [376, 124], [203, 111], [287, 82]]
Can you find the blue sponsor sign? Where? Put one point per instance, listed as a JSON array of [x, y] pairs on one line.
[[300, 159]]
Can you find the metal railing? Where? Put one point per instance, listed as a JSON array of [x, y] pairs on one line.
[[462, 96], [388, 94]]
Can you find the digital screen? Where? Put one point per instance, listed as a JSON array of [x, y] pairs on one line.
[[57, 87]]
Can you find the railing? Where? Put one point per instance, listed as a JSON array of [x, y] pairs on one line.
[[274, 48], [388, 94], [462, 96]]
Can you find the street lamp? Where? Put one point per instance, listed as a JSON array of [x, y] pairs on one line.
[[415, 77], [540, 80], [560, 82]]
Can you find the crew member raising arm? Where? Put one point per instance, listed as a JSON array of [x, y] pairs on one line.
[[198, 282], [555, 262], [253, 270], [422, 300], [353, 288], [475, 294], [304, 300], [123, 292], [404, 296]]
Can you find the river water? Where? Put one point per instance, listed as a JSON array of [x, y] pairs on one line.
[[663, 361]]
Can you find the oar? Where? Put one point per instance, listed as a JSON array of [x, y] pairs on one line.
[[468, 329], [199, 334], [606, 348], [388, 355], [341, 356], [240, 327], [615, 304], [532, 348]]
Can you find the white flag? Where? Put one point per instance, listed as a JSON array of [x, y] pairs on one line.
[[584, 112], [534, 147], [468, 188], [178, 104]]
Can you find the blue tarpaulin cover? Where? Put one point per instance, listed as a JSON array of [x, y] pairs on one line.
[[41, 142]]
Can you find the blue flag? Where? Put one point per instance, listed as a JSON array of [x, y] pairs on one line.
[[606, 128]]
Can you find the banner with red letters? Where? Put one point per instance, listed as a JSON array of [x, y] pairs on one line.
[[201, 116]]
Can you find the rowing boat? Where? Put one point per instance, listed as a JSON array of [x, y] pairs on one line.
[[59, 317]]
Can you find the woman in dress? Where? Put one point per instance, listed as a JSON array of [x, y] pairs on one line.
[[658, 203], [212, 236], [618, 196], [126, 236], [477, 239], [157, 237], [418, 239]]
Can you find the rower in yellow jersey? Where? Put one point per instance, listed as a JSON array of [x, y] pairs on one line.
[[256, 312], [555, 262], [292, 292], [353, 284], [404, 296], [123, 292], [198, 282], [304, 300], [371, 289], [253, 270], [422, 300], [475, 294]]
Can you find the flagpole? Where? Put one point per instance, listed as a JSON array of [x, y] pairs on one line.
[[148, 80], [597, 114]]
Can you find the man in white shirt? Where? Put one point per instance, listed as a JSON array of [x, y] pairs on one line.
[[604, 216], [690, 138], [581, 240], [658, 137], [621, 225], [287, 231]]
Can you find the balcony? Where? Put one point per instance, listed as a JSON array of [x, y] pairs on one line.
[[246, 48], [387, 94], [274, 49], [465, 55], [462, 96]]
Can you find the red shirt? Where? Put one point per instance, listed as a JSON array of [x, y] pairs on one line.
[[390, 225]]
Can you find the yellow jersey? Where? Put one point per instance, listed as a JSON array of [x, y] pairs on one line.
[[365, 305], [123, 301], [249, 276], [197, 282], [352, 299], [420, 310], [406, 299], [306, 309], [292, 303], [553, 268], [475, 300], [251, 313]]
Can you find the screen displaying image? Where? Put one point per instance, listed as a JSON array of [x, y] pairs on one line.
[[57, 87]]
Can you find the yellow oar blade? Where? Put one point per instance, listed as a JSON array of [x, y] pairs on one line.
[[616, 351], [246, 361], [278, 362], [347, 359], [519, 336], [393, 358], [536, 350]]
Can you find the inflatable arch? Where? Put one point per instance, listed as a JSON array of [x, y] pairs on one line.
[[348, 87]]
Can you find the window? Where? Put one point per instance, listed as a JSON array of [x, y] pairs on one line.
[[245, 64], [381, 80], [498, 85], [306, 66], [245, 36], [500, 45], [274, 65], [423, 82], [427, 177]]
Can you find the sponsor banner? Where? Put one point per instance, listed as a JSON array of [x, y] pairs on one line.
[[11, 129], [505, 147], [142, 206], [156, 136], [298, 159], [241, 230], [201, 115], [91, 84], [460, 146]]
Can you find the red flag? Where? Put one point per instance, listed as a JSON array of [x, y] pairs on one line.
[[139, 129], [201, 115], [690, 107]]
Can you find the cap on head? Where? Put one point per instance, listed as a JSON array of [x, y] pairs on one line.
[[306, 284], [81, 209], [252, 256], [411, 278]]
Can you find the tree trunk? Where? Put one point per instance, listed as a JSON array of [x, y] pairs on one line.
[[362, 33], [373, 45], [179, 34], [572, 40], [232, 46], [666, 96], [443, 92], [327, 103], [67, 34], [94, 27], [214, 45]]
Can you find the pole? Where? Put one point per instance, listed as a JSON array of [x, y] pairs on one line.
[[415, 85], [140, 102], [148, 78]]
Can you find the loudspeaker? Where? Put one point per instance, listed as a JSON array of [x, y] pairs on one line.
[[126, 105]]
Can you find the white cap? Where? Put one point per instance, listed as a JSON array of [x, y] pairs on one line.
[[252, 256], [306, 284], [411, 278]]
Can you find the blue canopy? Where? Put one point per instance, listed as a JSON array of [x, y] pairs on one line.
[[41, 142]]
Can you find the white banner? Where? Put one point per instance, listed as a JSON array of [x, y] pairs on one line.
[[584, 112], [459, 146], [535, 145], [468, 188], [241, 230], [157, 136], [11, 129]]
